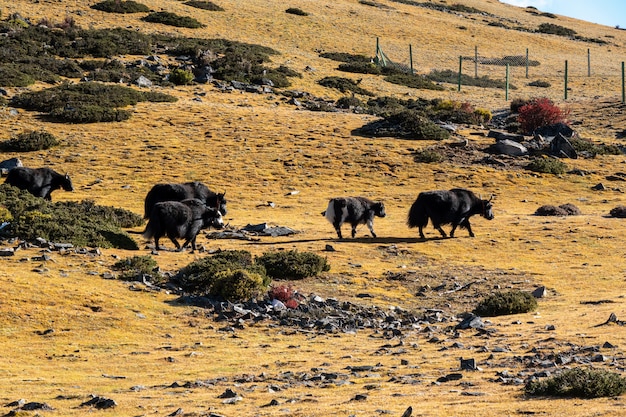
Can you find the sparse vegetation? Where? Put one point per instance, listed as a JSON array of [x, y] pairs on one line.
[[428, 156], [204, 5], [30, 141], [293, 264], [172, 19], [547, 166], [118, 6], [579, 383], [506, 302]]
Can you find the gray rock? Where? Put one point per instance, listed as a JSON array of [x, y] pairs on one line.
[[540, 292], [499, 135], [509, 147], [143, 82]]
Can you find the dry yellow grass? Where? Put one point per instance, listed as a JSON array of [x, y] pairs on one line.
[[108, 339]]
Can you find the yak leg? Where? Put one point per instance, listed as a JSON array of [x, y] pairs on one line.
[[466, 224], [422, 233], [337, 226], [193, 244], [172, 237], [370, 225], [438, 227]]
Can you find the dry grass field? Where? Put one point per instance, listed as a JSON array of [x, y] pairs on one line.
[[67, 333]]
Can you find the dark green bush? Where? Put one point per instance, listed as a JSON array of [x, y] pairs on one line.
[[118, 6], [518, 103], [540, 83], [293, 264], [172, 19], [410, 124], [344, 85], [361, 68], [80, 223], [346, 57], [553, 29], [205, 5], [89, 114], [138, 268], [200, 277], [238, 285], [12, 75], [180, 76], [579, 383], [547, 166], [349, 102], [31, 141], [503, 303], [452, 77], [586, 146], [296, 11], [413, 81], [428, 156]]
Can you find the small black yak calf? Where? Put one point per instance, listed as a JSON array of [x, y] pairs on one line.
[[181, 219], [448, 207], [40, 182], [353, 210], [184, 191]]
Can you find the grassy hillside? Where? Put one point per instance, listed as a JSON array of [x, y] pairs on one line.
[[68, 333]]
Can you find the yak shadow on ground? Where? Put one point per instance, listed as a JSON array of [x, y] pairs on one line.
[[370, 240]]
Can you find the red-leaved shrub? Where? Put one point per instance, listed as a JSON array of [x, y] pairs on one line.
[[540, 112], [284, 293]]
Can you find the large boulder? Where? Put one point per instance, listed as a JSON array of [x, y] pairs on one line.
[[508, 147]]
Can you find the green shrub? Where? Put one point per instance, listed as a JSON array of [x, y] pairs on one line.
[[89, 114], [586, 146], [13, 75], [452, 77], [137, 268], [346, 57], [540, 83], [413, 81], [553, 29], [344, 85], [547, 166], [200, 276], [172, 19], [204, 5], [238, 285], [361, 68], [579, 383], [428, 156], [80, 223], [412, 125], [349, 102], [180, 76], [118, 6], [31, 141], [503, 303], [296, 11], [293, 264]]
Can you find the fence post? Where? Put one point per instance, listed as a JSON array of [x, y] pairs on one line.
[[623, 85], [460, 69], [566, 79], [506, 88], [527, 63], [588, 63], [411, 58], [476, 61]]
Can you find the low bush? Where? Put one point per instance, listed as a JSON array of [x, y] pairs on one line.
[[428, 156], [344, 85], [285, 294], [518, 103], [28, 142], [204, 5], [79, 223], [588, 147], [547, 166], [200, 277], [293, 264], [538, 113], [172, 19], [412, 125], [238, 285], [13, 75], [180, 76], [579, 383], [553, 29], [346, 57], [349, 103], [562, 210], [540, 83], [296, 11], [413, 81], [118, 6], [89, 114], [361, 68], [504, 303], [138, 268], [452, 77]]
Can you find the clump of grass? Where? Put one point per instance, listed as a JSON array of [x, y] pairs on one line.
[[138, 268], [428, 156], [293, 264], [172, 19], [547, 166], [30, 141], [200, 277], [117, 6], [413, 81], [204, 5], [504, 303], [181, 76], [80, 223], [540, 84], [344, 85], [296, 11], [579, 383]]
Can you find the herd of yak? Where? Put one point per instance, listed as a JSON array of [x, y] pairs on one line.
[[180, 211]]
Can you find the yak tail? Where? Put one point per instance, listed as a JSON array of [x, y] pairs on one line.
[[150, 231], [417, 215]]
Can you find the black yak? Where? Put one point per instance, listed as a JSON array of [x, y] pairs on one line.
[[184, 191], [40, 182], [448, 207], [181, 219], [353, 210]]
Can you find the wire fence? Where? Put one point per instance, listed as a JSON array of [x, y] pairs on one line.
[[572, 76]]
